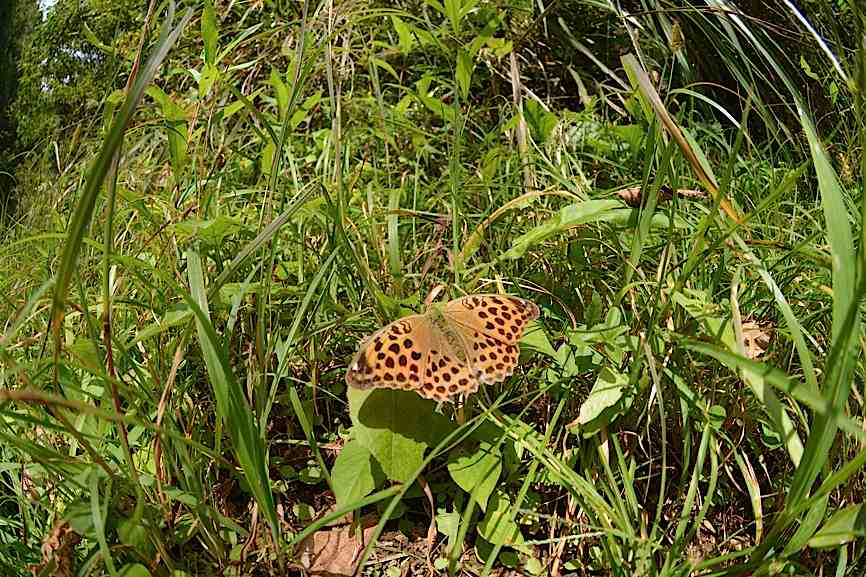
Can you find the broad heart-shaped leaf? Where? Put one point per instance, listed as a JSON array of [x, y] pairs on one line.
[[476, 472], [396, 427], [352, 475], [842, 527], [497, 525]]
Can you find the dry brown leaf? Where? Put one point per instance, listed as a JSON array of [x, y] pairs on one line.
[[336, 551], [634, 196], [756, 339], [58, 551]]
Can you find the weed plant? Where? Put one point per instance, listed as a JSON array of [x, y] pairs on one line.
[[192, 265]]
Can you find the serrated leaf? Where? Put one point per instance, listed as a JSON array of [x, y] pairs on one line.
[[476, 472], [842, 527], [352, 474], [396, 427], [497, 525]]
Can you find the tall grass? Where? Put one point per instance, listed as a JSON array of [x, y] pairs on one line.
[[286, 183]]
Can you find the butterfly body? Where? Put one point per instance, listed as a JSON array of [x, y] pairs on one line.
[[449, 350]]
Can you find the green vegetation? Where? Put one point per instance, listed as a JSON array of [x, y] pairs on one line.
[[215, 202]]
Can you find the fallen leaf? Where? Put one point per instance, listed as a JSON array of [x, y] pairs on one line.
[[634, 196], [756, 339], [336, 551], [58, 552]]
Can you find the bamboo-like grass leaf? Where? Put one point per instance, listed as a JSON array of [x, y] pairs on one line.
[[232, 406], [83, 214]]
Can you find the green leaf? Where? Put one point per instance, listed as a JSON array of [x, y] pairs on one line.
[[396, 427], [311, 475], [535, 338], [134, 570], [533, 566], [133, 534], [846, 300], [606, 392], [540, 120], [404, 34], [448, 523], [500, 46], [91, 37], [352, 474], [602, 404], [808, 526], [384, 65], [231, 403], [568, 217], [465, 65], [304, 512], [476, 472], [497, 525], [176, 128], [697, 304], [210, 232], [281, 91], [209, 32], [807, 70], [842, 527], [208, 77]]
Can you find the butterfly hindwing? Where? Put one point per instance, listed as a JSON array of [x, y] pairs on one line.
[[447, 373]]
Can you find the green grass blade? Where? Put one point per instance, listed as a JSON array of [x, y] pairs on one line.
[[837, 385], [83, 214], [233, 410]]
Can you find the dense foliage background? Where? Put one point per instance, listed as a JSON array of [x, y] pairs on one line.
[[208, 205]]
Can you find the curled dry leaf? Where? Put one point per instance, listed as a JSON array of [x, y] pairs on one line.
[[756, 339], [634, 196], [336, 551], [58, 551]]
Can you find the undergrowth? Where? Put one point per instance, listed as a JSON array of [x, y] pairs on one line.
[[193, 263]]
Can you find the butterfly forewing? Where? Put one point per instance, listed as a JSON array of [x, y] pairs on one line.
[[392, 357], [492, 325], [501, 317]]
